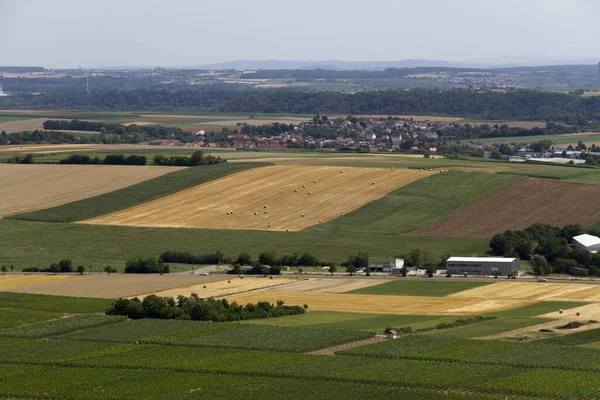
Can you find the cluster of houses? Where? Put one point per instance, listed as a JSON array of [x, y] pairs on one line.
[[372, 135]]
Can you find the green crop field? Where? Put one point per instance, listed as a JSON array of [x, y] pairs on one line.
[[543, 307], [10, 318], [353, 321], [53, 303], [100, 357], [493, 327], [565, 139], [413, 287]]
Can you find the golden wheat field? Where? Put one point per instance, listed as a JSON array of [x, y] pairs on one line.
[[32, 187], [276, 198], [226, 287], [8, 282], [363, 303], [534, 291], [320, 285]]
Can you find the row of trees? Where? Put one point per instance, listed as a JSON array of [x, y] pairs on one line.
[[197, 158], [520, 104], [148, 265], [65, 266], [548, 249], [198, 309], [111, 159], [39, 136]]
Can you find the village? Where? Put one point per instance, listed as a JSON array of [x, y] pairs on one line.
[[391, 134]]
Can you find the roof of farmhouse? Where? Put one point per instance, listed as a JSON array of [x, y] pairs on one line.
[[587, 240], [481, 259]]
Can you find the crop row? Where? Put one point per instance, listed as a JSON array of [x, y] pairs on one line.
[[573, 339], [59, 326], [61, 304], [29, 381], [227, 335], [261, 364], [10, 318], [430, 347]]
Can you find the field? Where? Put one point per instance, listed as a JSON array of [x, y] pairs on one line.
[[588, 138], [18, 125], [363, 303], [32, 187], [420, 288], [535, 291], [105, 286], [277, 198], [521, 205]]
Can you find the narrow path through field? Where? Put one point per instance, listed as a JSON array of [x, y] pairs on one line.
[[330, 351]]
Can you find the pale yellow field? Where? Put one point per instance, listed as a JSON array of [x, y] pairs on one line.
[[104, 286], [267, 198], [321, 285], [16, 281], [534, 291], [433, 118], [363, 303], [228, 286], [33, 187]]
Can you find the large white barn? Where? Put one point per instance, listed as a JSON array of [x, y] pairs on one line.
[[587, 242]]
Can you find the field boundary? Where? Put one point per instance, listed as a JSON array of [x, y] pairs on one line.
[[136, 194]]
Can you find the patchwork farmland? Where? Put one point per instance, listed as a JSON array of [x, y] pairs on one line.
[[519, 206], [278, 198], [33, 187]]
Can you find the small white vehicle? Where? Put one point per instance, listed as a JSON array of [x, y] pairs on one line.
[[542, 280]]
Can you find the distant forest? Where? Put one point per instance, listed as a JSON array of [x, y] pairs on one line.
[[520, 104]]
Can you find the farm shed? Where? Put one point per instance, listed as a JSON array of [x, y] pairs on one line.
[[482, 265], [587, 242], [385, 264]]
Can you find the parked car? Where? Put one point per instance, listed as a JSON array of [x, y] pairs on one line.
[[542, 280]]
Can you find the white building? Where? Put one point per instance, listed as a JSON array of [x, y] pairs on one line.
[[385, 264], [483, 265], [587, 242]]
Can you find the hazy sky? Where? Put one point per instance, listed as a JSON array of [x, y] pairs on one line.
[[66, 33]]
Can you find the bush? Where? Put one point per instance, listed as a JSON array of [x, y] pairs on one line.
[[146, 266]]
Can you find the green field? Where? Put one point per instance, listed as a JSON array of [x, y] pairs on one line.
[[412, 287], [543, 307], [10, 318], [100, 357], [565, 139], [41, 302], [492, 327]]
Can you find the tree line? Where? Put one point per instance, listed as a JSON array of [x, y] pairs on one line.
[[548, 249], [518, 104], [198, 309], [110, 159], [197, 158]]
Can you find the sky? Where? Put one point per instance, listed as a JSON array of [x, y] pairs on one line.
[[70, 33]]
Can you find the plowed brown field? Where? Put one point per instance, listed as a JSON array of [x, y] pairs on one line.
[[277, 198], [33, 187], [521, 205]]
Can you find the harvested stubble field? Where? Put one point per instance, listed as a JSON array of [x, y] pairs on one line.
[[33, 187], [228, 286], [107, 286], [9, 282], [534, 291], [519, 206], [276, 198], [361, 303], [327, 285], [22, 125]]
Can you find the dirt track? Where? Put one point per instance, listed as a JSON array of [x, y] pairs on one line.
[[276, 198], [33, 187], [519, 206]]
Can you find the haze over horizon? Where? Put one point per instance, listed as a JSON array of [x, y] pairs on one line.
[[185, 33]]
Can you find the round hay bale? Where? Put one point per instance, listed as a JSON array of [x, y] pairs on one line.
[[341, 171], [320, 221], [295, 190], [227, 212], [441, 170], [309, 192], [303, 215], [269, 225], [560, 311], [421, 170], [265, 206], [231, 212], [392, 169], [304, 186], [265, 212], [228, 281], [430, 169], [315, 181], [373, 183], [204, 286], [255, 213], [287, 230]]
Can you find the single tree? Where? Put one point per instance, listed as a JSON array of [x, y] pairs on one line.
[[80, 269], [4, 269], [332, 269]]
